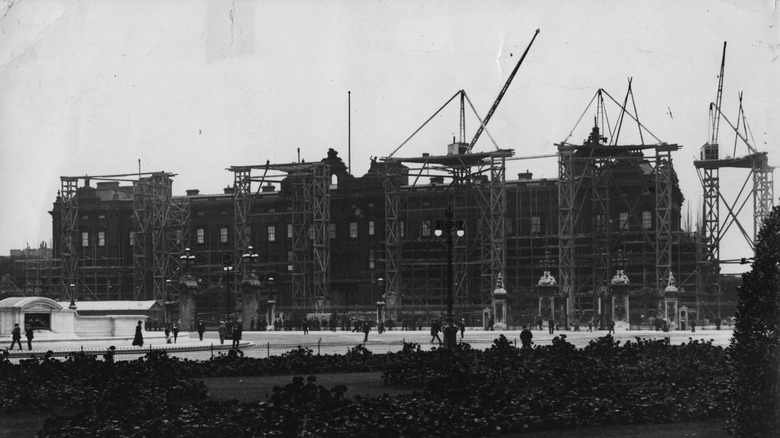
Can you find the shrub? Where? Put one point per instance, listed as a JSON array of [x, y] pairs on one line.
[[754, 396]]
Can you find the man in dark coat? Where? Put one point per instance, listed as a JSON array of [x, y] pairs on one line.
[[28, 331], [16, 337], [551, 326], [201, 329], [435, 329], [525, 337], [238, 327], [366, 330]]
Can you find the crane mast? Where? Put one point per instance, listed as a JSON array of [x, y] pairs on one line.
[[500, 95], [718, 99]]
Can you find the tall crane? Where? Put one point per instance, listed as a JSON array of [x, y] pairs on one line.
[[500, 95], [715, 112]]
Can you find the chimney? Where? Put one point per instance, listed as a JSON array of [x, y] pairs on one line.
[[525, 175], [193, 192], [268, 188], [228, 190]]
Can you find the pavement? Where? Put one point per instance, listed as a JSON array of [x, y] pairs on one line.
[[271, 343]]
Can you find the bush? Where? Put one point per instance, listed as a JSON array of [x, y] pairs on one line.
[[754, 396]]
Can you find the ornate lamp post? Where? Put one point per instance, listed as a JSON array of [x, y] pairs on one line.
[[380, 303], [227, 267], [72, 305], [251, 260], [449, 227], [271, 304], [187, 288], [168, 303], [250, 285]]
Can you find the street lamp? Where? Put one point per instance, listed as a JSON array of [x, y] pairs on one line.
[[380, 303], [251, 260], [227, 267], [271, 304], [168, 303], [449, 227], [72, 305], [187, 260]]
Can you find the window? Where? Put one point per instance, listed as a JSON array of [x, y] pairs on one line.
[[179, 237], [223, 235], [201, 235], [647, 220], [85, 239], [272, 233], [353, 230], [536, 224], [289, 231], [371, 262], [370, 228], [332, 230], [132, 238], [426, 228], [290, 260], [509, 228], [402, 229], [101, 238], [311, 232], [623, 220]]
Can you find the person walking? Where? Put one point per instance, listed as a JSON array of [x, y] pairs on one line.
[[16, 337], [551, 326], [540, 323], [252, 324], [611, 327], [462, 327], [176, 326], [693, 326], [305, 326], [201, 329], [221, 330], [28, 331], [238, 328], [590, 325], [139, 335], [167, 333], [525, 337], [435, 329], [366, 330]]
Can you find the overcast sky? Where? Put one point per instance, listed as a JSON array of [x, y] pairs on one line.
[[193, 87]]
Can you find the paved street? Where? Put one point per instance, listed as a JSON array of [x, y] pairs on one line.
[[264, 343]]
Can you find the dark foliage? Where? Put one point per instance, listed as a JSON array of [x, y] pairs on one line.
[[754, 398], [463, 392]]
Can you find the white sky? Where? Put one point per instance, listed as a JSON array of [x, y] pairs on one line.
[[194, 86]]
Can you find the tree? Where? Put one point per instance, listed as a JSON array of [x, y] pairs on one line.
[[754, 390]]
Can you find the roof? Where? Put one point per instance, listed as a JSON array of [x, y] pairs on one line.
[[140, 306]]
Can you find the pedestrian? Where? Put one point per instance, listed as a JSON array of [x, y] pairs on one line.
[[28, 331], [490, 323], [201, 329], [693, 326], [167, 333], [305, 326], [462, 327], [590, 325], [611, 327], [16, 337], [366, 329], [252, 324], [221, 331], [551, 326], [237, 329], [525, 337], [139, 335], [540, 322], [435, 329], [176, 326]]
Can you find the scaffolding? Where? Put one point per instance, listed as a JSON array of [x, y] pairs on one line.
[[474, 185], [589, 192], [310, 206], [151, 239]]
